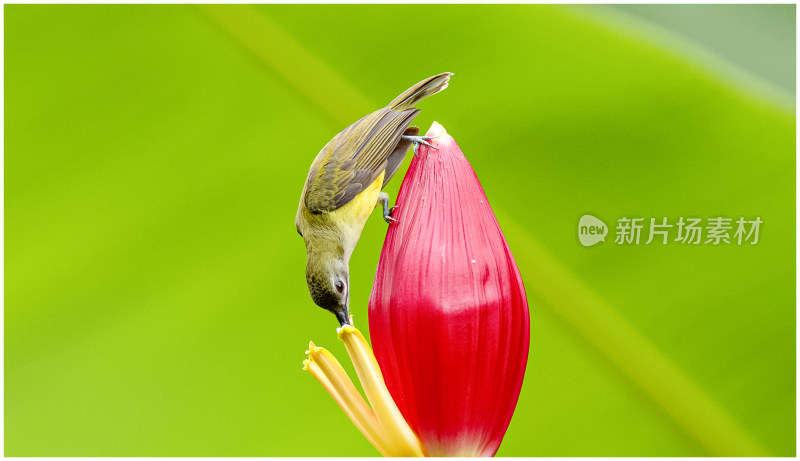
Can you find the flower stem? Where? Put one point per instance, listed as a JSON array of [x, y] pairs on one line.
[[385, 428], [326, 369], [404, 440]]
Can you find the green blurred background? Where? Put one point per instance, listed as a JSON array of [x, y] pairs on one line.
[[155, 302]]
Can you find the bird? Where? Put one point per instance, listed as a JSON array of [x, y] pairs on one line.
[[344, 185]]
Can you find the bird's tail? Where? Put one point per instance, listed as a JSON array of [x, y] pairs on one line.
[[420, 91]]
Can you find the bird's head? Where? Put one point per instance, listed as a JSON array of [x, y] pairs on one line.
[[328, 281]]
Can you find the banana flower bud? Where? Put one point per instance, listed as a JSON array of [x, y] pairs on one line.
[[448, 315]]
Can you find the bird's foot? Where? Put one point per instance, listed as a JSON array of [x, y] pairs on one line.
[[387, 212], [387, 215], [417, 140]]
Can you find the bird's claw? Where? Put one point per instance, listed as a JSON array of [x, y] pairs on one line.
[[417, 140], [387, 212]]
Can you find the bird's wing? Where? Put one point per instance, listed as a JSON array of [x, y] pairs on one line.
[[397, 156], [354, 159]]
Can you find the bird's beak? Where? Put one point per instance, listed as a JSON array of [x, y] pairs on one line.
[[343, 316]]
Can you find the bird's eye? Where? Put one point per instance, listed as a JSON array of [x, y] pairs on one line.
[[339, 286]]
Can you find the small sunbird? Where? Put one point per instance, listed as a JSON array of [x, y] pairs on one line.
[[344, 185]]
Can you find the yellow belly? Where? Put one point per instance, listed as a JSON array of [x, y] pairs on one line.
[[359, 209], [353, 215], [342, 225]]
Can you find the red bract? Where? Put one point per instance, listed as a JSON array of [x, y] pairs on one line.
[[448, 314]]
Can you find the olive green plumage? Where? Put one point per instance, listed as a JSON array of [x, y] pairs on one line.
[[341, 190], [355, 157]]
